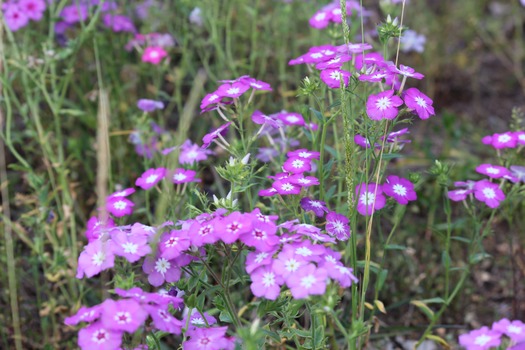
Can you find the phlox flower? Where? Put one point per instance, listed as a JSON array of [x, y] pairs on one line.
[[96, 336], [320, 20], [262, 237], [122, 193], [363, 141], [257, 259], [405, 71], [183, 176], [489, 193], [201, 233], [97, 256], [333, 77], [419, 102], [210, 137], [232, 226], [191, 153], [517, 173], [150, 178], [334, 63], [172, 244], [132, 247], [369, 198], [266, 283], [337, 226], [492, 171], [308, 251], [33, 9], [336, 270], [160, 270], [267, 192], [393, 137], [304, 153], [96, 228], [260, 118], [118, 23], [368, 60], [154, 54], [515, 330], [286, 187], [149, 105], [288, 262], [303, 181], [213, 338], [307, 280], [123, 315], [15, 17], [84, 314], [233, 90], [297, 165], [383, 105], [462, 193], [74, 13], [163, 320], [316, 206], [210, 98], [198, 319], [289, 118], [520, 137], [255, 84], [500, 141], [402, 190], [480, 339]]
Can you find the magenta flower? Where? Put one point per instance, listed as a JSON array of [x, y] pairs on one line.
[[262, 237], [286, 186], [183, 176], [119, 207], [154, 54], [297, 165], [191, 153], [210, 137], [260, 118], [256, 84], [288, 262], [163, 320], [257, 259], [334, 63], [203, 233], [123, 315], [304, 153], [33, 9], [419, 102], [318, 207], [492, 171], [267, 192], [369, 198], [402, 190], [337, 225], [308, 280], [383, 105], [480, 339], [308, 251], [505, 140], [489, 193], [363, 141], [123, 193], [233, 90], [96, 336], [15, 17], [461, 194], [209, 99], [406, 71], [290, 118], [97, 228], [149, 105], [320, 19], [197, 319], [520, 137], [515, 330], [172, 244], [232, 226], [159, 270], [266, 283], [303, 181], [74, 13], [96, 256], [131, 247], [517, 173], [213, 338], [333, 77], [150, 178], [84, 314], [118, 23]]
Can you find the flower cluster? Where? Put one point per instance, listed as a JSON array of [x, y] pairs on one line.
[[18, 13], [487, 338], [509, 139]]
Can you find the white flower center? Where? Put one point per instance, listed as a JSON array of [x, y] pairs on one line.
[[367, 198], [504, 138], [514, 329], [482, 339], [383, 103], [489, 193], [492, 171], [162, 265], [320, 16], [152, 178], [287, 187], [400, 190], [197, 320], [316, 204], [120, 205], [233, 91], [421, 102], [292, 118], [304, 251], [298, 163], [98, 258], [213, 98], [130, 248], [268, 279], [336, 75], [308, 281], [338, 226], [291, 265], [317, 55], [192, 154], [305, 154], [260, 257], [179, 177]]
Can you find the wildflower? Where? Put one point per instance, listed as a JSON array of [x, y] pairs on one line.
[[303, 181], [96, 256], [290, 118], [334, 63], [153, 54], [517, 173], [500, 141], [123, 315], [123, 193], [412, 41], [307, 280], [198, 319], [118, 23], [256, 84], [480, 339], [492, 171], [372, 59], [337, 225], [308, 251], [402, 190], [233, 90], [515, 330], [318, 207], [286, 187], [15, 17], [304, 153], [149, 105], [262, 237], [96, 228], [297, 165], [213, 338], [405, 71], [332, 77], [260, 118], [217, 133], [489, 193], [383, 105], [210, 98], [84, 314], [257, 259], [195, 17], [163, 320], [191, 153], [419, 102], [96, 336], [160, 269], [202, 233], [33, 9], [266, 283], [131, 247], [172, 244], [369, 198], [150, 178], [232, 226], [363, 141], [119, 207], [74, 13], [461, 194], [183, 176]]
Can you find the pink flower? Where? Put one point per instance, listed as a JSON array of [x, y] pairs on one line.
[[480, 339], [123, 193], [369, 198], [183, 176], [153, 54], [84, 314], [304, 153], [515, 330], [489, 193], [402, 190], [213, 338], [290, 118], [123, 315], [303, 181], [96, 256], [159, 270], [130, 246], [266, 283], [256, 84], [150, 178], [419, 102], [333, 77], [15, 17], [286, 186], [405, 71], [203, 233], [119, 23], [163, 320], [232, 226], [337, 225], [96, 336], [149, 105], [232, 90], [74, 13], [97, 228], [334, 63], [505, 140], [383, 105], [320, 19], [297, 165], [210, 137], [262, 237], [308, 280], [461, 194], [288, 262], [492, 171], [119, 206], [172, 244], [34, 9], [318, 207], [257, 259], [191, 153]]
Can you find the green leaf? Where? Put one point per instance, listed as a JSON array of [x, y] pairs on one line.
[[395, 247], [461, 239], [421, 305], [436, 300]]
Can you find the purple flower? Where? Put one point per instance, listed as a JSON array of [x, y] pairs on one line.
[[402, 190], [262, 236], [288, 262], [260, 118], [515, 330], [191, 153], [419, 102], [96, 256], [257, 259], [232, 90], [209, 138], [202, 233], [163, 320], [383, 105], [149, 105], [232, 226], [256, 84], [405, 71], [183, 176], [297, 165], [119, 207], [97, 228], [96, 336], [308, 280], [333, 77], [303, 181], [505, 140], [209, 99], [123, 315], [334, 63], [492, 171], [517, 173], [489, 193], [266, 283], [363, 141], [290, 118], [74, 13], [318, 207], [123, 193], [150, 177], [304, 153], [172, 244], [369, 198], [412, 41], [461, 194], [84, 314], [286, 187], [213, 338], [337, 225], [199, 320], [33, 9], [15, 17], [119, 23], [159, 270], [132, 247], [480, 339]]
